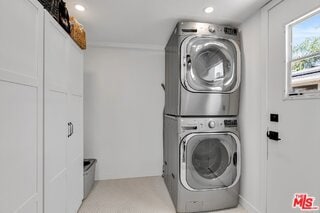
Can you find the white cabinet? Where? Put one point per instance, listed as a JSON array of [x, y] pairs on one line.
[[21, 106], [41, 89], [63, 120]]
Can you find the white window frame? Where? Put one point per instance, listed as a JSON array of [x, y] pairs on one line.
[[289, 94]]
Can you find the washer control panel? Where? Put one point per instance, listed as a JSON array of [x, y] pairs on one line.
[[206, 124], [231, 123]]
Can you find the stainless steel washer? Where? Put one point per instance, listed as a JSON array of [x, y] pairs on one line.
[[202, 163], [203, 69]]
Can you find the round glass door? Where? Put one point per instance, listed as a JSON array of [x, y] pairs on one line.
[[210, 161], [211, 65], [210, 158]]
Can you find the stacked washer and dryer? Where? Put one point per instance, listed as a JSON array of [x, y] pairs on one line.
[[201, 139]]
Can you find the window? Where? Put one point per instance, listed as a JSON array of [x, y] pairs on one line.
[[303, 55]]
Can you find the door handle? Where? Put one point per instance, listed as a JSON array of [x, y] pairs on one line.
[[235, 159], [188, 60], [184, 151], [272, 135]]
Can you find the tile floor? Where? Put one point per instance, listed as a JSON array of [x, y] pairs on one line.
[[135, 195]]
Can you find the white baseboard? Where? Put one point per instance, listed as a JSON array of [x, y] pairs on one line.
[[247, 205]]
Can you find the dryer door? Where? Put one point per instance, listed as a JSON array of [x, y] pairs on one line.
[[209, 161], [210, 65]]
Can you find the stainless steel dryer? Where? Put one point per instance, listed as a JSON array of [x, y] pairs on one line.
[[203, 66], [202, 163]]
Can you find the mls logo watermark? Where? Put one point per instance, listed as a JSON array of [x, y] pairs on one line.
[[304, 202]]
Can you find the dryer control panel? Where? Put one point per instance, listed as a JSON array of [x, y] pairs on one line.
[[197, 28]]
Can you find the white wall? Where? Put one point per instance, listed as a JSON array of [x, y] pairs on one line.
[[123, 111], [250, 113]]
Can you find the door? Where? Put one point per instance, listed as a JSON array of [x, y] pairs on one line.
[[293, 162], [209, 160], [210, 65], [21, 106], [55, 117]]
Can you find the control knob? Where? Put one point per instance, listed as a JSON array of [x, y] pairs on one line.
[[212, 124], [211, 29]]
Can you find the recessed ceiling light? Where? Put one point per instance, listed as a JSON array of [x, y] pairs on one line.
[[208, 9], [79, 7]]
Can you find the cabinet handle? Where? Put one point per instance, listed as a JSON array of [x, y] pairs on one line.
[[69, 130]]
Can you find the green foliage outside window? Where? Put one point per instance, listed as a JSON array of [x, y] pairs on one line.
[[308, 47]]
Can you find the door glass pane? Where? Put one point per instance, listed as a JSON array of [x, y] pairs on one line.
[[303, 59], [210, 158], [213, 65], [305, 37], [210, 65], [210, 161]]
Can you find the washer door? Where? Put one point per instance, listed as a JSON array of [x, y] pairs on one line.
[[209, 161], [210, 65]]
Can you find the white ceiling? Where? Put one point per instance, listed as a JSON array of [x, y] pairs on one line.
[[150, 22]]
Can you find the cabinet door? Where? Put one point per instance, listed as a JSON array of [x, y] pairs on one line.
[[56, 117], [75, 154], [21, 108], [75, 142], [56, 53], [56, 132], [75, 60]]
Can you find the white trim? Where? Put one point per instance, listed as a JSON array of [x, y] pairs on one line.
[[247, 205], [304, 17], [136, 46], [264, 102]]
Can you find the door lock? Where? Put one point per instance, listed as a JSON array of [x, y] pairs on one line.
[[274, 117], [272, 135]]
